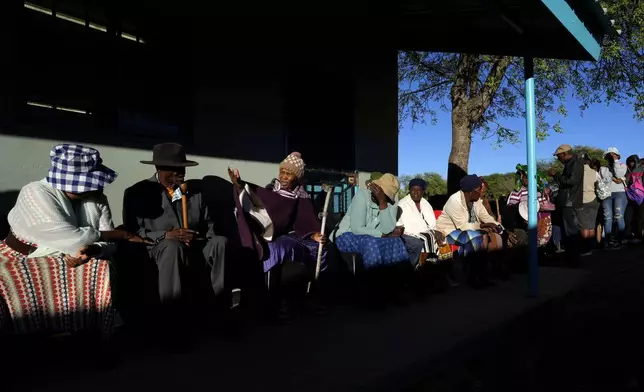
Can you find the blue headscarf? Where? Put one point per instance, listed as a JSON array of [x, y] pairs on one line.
[[470, 182], [418, 182]]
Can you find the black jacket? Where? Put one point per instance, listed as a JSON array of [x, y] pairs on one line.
[[571, 184]]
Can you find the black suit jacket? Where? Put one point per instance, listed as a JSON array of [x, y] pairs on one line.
[[571, 184], [149, 211]]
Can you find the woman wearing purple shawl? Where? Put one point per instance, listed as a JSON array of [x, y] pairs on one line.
[[279, 223]]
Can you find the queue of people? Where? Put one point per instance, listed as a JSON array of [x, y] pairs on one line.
[[55, 268], [601, 207]]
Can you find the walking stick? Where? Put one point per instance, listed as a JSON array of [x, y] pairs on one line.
[[184, 205], [498, 210], [329, 192]]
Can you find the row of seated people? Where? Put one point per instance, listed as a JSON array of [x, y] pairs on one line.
[[383, 232], [55, 262], [54, 268]]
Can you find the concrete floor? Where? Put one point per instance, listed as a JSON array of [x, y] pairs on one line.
[[345, 350]]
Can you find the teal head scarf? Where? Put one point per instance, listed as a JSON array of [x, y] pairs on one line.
[[542, 180]]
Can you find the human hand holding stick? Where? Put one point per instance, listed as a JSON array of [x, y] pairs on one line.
[[184, 205]]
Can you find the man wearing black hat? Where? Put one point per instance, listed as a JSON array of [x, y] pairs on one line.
[[154, 207]]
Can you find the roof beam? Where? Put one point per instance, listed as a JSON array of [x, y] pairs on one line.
[[562, 11]]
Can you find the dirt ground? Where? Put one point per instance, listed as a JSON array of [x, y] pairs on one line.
[[590, 340]]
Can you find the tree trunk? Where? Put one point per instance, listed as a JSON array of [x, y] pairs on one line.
[[459, 156]]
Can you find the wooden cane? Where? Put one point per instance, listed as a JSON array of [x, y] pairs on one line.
[[325, 212], [498, 210], [184, 205]]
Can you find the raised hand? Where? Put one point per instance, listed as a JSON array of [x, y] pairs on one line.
[[235, 178]]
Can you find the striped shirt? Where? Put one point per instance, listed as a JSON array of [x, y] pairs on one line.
[[517, 197]]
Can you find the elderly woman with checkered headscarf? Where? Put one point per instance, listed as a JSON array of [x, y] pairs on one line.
[[279, 222], [57, 224]]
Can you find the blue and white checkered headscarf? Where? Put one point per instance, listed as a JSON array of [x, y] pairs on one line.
[[78, 169]]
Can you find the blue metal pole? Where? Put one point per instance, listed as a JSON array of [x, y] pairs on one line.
[[531, 142]]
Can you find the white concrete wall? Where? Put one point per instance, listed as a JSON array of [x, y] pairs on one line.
[[27, 159], [238, 121]]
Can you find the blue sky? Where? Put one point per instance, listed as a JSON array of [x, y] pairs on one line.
[[425, 148]]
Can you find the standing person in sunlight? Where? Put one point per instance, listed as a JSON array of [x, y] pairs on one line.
[[570, 197], [588, 216], [635, 193], [614, 174]]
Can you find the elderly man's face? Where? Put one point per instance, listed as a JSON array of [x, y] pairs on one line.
[[416, 193], [171, 176], [476, 193], [562, 157]]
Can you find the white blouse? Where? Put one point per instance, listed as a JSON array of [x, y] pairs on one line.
[[44, 216], [414, 221]]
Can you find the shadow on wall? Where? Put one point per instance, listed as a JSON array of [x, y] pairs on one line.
[[7, 201], [218, 196]]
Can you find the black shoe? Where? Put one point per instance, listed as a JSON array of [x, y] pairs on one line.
[[614, 245]]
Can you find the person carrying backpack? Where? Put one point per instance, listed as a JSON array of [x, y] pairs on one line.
[[635, 194], [614, 174]]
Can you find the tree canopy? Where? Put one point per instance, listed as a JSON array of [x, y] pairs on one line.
[[499, 184], [482, 91], [619, 74], [593, 153]]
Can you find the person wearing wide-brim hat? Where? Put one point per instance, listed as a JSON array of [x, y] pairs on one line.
[[61, 237], [153, 208]]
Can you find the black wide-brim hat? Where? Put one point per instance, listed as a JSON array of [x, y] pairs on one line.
[[171, 155]]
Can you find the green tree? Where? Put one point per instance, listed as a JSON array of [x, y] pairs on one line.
[[480, 91], [593, 152], [436, 185], [619, 75], [500, 184]]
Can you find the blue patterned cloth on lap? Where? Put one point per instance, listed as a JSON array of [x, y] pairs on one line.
[[289, 248], [375, 252], [468, 241]]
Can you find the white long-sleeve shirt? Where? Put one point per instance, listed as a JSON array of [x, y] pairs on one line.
[[456, 215], [415, 221], [45, 216]]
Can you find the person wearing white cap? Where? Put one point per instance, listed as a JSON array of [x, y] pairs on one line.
[[614, 174]]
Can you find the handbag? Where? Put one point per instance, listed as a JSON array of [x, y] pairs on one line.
[[602, 189], [445, 252], [635, 190]]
